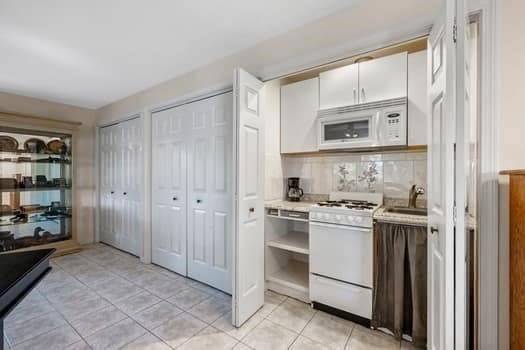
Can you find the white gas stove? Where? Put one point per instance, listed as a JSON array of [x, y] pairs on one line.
[[341, 252], [347, 208]]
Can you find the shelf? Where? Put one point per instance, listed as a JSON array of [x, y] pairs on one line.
[[286, 218], [294, 242], [51, 161], [36, 189], [294, 275], [7, 222]]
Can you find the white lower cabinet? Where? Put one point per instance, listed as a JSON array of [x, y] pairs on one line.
[[192, 190], [121, 186]]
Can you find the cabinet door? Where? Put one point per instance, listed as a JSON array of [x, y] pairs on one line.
[[169, 194], [383, 78], [299, 106], [339, 87], [417, 98], [210, 194]]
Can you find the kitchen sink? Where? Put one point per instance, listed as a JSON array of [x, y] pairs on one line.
[[407, 211]]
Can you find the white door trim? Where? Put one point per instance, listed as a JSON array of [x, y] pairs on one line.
[[488, 284]]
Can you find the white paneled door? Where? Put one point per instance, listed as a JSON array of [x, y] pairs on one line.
[[121, 186], [248, 290], [169, 148], [192, 190], [210, 186], [446, 254]]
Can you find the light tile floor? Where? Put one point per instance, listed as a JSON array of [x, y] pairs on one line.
[[102, 298]]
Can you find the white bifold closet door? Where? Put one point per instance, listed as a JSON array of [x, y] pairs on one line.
[[169, 229], [193, 190], [121, 185]]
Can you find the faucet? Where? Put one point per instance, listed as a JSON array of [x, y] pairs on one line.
[[412, 195]]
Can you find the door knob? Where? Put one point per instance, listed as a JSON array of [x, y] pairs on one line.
[[199, 201], [175, 198], [251, 210], [433, 230], [125, 193]]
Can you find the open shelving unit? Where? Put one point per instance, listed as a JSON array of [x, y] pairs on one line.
[[287, 253], [37, 207]]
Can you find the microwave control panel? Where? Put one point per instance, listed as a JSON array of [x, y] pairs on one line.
[[393, 126]]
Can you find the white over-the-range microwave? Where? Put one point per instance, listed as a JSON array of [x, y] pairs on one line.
[[372, 125]]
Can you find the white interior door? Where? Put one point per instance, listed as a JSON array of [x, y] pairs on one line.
[[169, 193], [210, 194], [441, 175], [248, 288]]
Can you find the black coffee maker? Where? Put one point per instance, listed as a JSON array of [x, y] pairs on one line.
[[294, 191]]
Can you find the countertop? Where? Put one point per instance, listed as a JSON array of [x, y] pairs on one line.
[[382, 215], [303, 206]]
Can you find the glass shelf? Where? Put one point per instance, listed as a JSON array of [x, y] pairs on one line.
[[36, 189], [33, 220]]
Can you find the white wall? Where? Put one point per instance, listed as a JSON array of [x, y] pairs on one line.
[[84, 177], [340, 35], [511, 77]]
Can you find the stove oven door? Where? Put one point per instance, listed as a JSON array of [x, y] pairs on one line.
[[342, 252]]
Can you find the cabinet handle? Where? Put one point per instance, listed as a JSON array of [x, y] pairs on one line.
[[433, 230], [112, 192], [251, 210], [355, 96], [362, 97], [199, 200], [125, 193], [175, 198]]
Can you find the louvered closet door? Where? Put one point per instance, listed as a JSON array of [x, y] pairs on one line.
[[210, 192], [169, 139]]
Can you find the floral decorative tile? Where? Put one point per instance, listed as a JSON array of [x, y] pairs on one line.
[[370, 177], [344, 177]]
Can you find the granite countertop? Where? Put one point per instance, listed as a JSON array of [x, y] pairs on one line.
[[382, 215], [303, 206]]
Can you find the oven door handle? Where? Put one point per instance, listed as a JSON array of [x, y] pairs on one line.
[[345, 227]]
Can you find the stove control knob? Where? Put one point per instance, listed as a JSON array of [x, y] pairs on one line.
[[350, 218], [338, 218], [359, 219]]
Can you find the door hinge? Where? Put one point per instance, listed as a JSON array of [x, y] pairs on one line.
[[455, 31]]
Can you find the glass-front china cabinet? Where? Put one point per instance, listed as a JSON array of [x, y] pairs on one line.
[[36, 186]]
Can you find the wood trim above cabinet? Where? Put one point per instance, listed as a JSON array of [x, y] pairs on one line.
[[512, 172], [17, 121]]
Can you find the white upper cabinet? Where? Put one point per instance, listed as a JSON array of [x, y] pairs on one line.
[[375, 80], [339, 87], [299, 106], [383, 78], [417, 98]]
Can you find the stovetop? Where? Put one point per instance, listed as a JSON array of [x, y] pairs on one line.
[[349, 204]]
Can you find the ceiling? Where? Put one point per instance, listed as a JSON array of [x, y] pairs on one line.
[[92, 53]]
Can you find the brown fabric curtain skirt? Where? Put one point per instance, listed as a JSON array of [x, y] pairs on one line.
[[400, 289]]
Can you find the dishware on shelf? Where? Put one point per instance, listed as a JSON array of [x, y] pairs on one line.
[[57, 147], [35, 145], [8, 144]]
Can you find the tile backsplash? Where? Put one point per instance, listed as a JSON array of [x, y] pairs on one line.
[[392, 173]]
